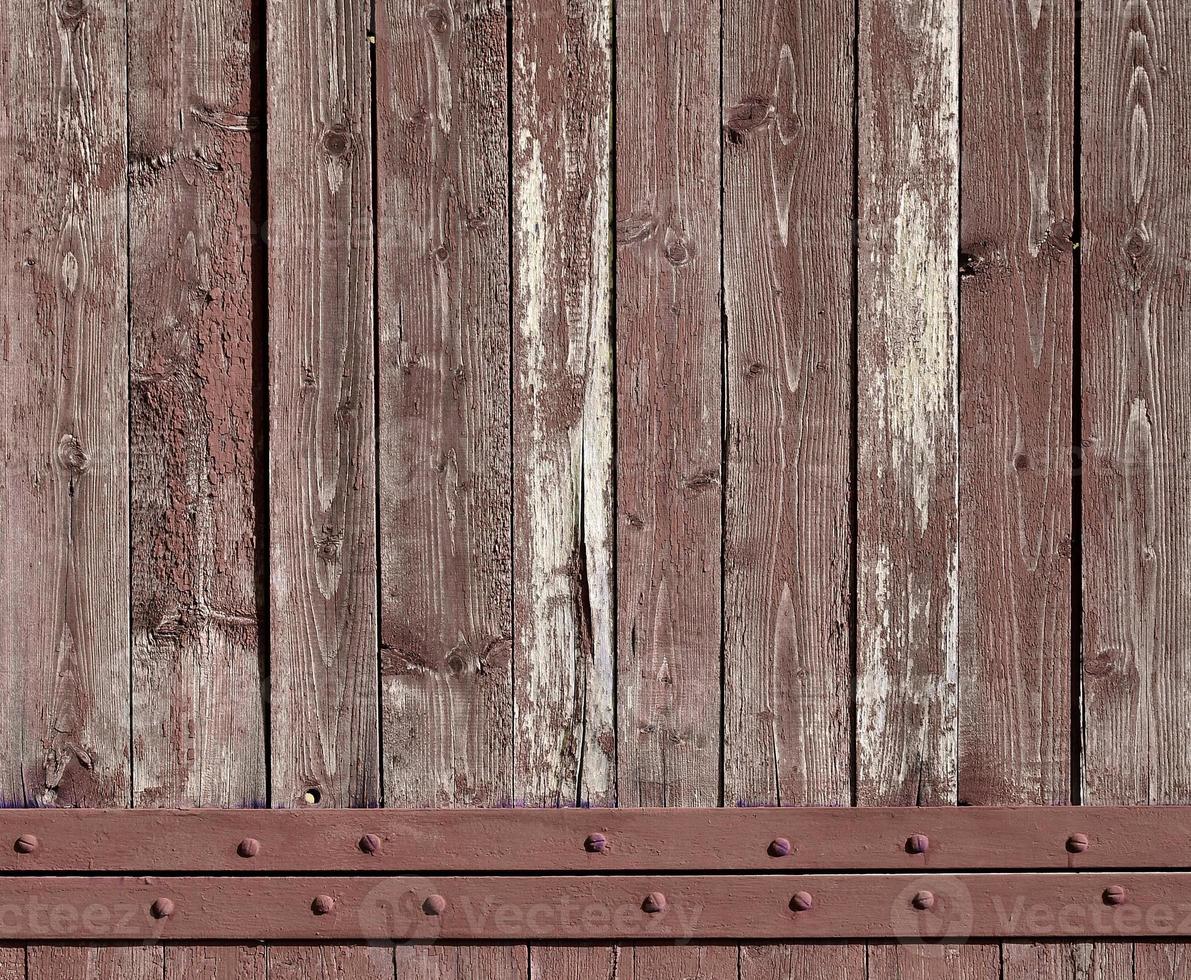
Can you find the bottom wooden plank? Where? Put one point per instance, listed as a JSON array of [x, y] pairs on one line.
[[802, 963], [932, 908]]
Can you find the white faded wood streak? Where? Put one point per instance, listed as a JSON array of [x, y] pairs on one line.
[[562, 406], [907, 548], [1137, 413], [64, 597]]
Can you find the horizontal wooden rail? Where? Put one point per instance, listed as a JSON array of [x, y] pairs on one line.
[[581, 841], [616, 907]]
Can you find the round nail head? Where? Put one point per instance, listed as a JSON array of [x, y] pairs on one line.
[[26, 844], [917, 844], [779, 847], [322, 905], [161, 908], [595, 843], [249, 847], [802, 902], [1077, 843], [434, 905], [654, 902], [369, 843], [924, 900], [1114, 895]]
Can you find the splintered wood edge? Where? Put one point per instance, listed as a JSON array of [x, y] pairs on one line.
[[927, 840]]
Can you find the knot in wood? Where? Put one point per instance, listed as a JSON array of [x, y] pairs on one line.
[[71, 454], [437, 18], [677, 253], [70, 12], [337, 140], [748, 115]]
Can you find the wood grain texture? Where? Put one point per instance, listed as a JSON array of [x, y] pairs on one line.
[[907, 530], [787, 128], [63, 435], [1136, 194], [803, 962], [678, 962], [577, 963], [563, 600], [1162, 961], [462, 962], [446, 565], [322, 503], [668, 390], [222, 962], [196, 271], [1083, 961], [12, 963], [931, 962], [330, 963], [95, 963], [1016, 202]]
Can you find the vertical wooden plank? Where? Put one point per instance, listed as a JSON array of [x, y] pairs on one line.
[[577, 963], [562, 403], [668, 395], [462, 962], [330, 963], [929, 962], [1162, 961], [446, 600], [322, 502], [64, 605], [63, 437], [215, 963], [12, 963], [1136, 356], [94, 963], [196, 291], [678, 962], [787, 127], [1061, 961], [1016, 202], [810, 962], [907, 532]]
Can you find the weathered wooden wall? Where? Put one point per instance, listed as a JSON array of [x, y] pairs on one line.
[[595, 402]]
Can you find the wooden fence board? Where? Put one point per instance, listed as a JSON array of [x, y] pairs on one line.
[[462, 962], [562, 403], [577, 963], [96, 963], [223, 962], [931, 962], [803, 962], [195, 301], [64, 533], [1136, 71], [446, 568], [787, 149], [668, 336], [907, 540], [678, 962], [1017, 199], [322, 502], [330, 963]]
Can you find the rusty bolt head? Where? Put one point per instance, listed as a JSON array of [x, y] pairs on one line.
[[26, 844], [924, 900], [595, 843], [161, 908], [1077, 843], [802, 902], [369, 843], [1114, 895], [322, 905], [917, 844], [779, 847], [249, 847], [434, 905], [654, 902]]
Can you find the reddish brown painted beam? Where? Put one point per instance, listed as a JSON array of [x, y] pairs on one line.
[[615, 907], [527, 841]]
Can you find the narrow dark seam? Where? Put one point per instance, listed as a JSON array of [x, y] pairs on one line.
[[373, 40], [613, 374], [128, 394], [1076, 720], [854, 431], [725, 409], [955, 284], [512, 503]]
